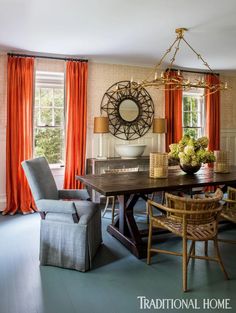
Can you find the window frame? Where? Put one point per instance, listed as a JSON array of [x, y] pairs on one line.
[[50, 81], [199, 94]]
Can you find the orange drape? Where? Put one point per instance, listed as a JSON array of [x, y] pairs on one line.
[[212, 104], [19, 133], [173, 113], [213, 114], [76, 101]]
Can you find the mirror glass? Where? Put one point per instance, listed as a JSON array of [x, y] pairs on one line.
[[128, 110]]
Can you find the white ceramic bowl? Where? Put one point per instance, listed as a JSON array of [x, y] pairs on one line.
[[130, 151]]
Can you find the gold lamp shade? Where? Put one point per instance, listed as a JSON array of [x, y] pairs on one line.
[[101, 125], [159, 125]]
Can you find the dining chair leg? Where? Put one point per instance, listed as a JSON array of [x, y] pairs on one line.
[[185, 255], [149, 243], [147, 213], [106, 206], [162, 197], [194, 247], [219, 258], [206, 248], [113, 210], [191, 251]]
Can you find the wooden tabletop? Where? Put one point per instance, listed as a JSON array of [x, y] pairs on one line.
[[140, 182]]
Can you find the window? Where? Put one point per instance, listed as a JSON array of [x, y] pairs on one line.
[[193, 113], [49, 119]]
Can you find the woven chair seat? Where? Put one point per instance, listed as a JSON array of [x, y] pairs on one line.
[[194, 232]]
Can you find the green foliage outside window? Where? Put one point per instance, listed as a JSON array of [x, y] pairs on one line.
[[192, 132], [191, 117], [49, 124], [48, 143]]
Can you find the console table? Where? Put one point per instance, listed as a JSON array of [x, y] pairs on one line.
[[98, 166]]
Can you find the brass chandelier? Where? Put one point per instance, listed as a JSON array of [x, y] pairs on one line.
[[167, 81]]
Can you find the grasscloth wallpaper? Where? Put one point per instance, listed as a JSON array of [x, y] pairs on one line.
[[228, 103]]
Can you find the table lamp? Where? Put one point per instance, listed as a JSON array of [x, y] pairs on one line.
[[159, 126], [101, 126]]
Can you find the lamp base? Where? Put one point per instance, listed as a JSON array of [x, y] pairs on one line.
[[101, 157]]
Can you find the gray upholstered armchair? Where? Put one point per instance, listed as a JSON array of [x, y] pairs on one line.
[[70, 231]]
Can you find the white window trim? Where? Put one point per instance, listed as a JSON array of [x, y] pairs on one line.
[[199, 93]]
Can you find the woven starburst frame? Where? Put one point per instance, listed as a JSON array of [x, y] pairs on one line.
[[111, 101]]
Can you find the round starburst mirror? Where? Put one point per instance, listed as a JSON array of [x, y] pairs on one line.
[[129, 108]]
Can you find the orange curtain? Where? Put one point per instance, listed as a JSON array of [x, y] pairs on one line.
[[19, 133], [213, 114], [173, 113], [76, 101]]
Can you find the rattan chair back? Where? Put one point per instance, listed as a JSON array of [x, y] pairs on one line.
[[229, 209], [196, 211], [231, 196], [112, 198]]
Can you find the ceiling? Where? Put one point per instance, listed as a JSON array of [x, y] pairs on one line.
[[135, 32]]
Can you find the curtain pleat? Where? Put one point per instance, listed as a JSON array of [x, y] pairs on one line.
[[76, 102], [173, 113], [19, 133], [213, 114], [212, 106]]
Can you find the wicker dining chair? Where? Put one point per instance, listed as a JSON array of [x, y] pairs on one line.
[[229, 210], [190, 219], [113, 198]]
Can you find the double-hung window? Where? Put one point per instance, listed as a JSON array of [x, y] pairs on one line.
[[193, 113], [49, 112]]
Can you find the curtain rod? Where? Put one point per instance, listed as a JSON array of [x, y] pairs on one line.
[[194, 72], [46, 57]]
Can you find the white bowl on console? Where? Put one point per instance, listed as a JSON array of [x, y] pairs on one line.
[[130, 151]]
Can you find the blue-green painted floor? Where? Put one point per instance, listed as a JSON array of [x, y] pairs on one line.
[[114, 284]]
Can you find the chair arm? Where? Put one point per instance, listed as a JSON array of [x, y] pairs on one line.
[[156, 205], [56, 206], [80, 194], [229, 200], [187, 212]]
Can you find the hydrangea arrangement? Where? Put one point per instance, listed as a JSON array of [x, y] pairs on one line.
[[191, 152]]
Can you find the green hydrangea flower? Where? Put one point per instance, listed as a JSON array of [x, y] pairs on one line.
[[203, 142], [191, 152]]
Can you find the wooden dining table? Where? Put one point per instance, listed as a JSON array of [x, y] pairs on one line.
[[129, 187]]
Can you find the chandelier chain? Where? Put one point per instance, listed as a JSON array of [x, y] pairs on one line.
[[199, 56], [174, 56], [167, 52]]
